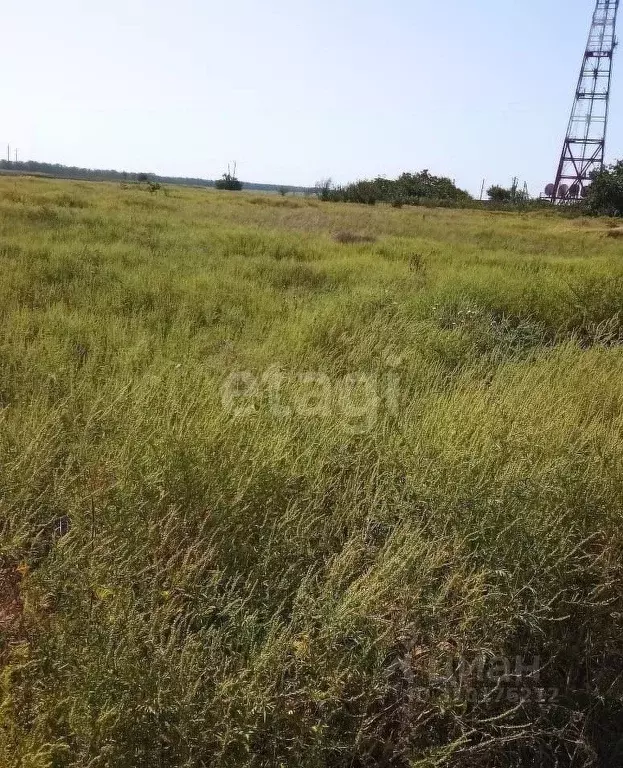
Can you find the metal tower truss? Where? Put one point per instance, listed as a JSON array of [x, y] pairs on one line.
[[584, 148]]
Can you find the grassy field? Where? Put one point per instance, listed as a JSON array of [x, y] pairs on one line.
[[285, 483]]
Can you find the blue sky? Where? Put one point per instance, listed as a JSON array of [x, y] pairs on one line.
[[297, 90]]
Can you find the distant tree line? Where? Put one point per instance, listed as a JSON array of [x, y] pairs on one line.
[[604, 198], [56, 170], [89, 174], [407, 189]]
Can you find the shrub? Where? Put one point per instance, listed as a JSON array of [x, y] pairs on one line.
[[407, 189], [323, 189], [605, 195], [499, 194], [228, 182]]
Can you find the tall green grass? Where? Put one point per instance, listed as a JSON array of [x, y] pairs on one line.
[[271, 493]]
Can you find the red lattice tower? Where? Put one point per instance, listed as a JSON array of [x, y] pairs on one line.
[[584, 149]]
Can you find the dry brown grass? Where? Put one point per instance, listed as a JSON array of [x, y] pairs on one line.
[[11, 605], [352, 238]]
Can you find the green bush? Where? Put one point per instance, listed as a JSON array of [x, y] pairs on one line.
[[409, 189], [605, 194], [228, 182]]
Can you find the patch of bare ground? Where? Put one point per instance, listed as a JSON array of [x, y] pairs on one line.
[[350, 238]]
